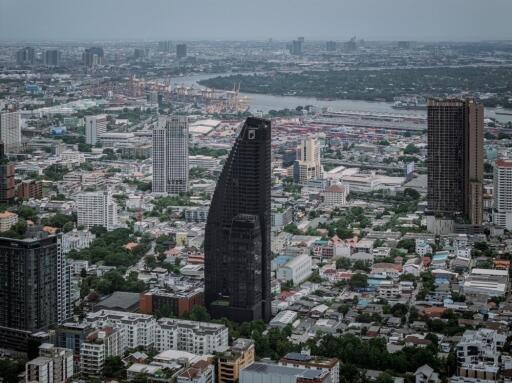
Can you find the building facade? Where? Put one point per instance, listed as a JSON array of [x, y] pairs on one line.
[[97, 209], [237, 236], [34, 291], [170, 155], [10, 131], [240, 354], [200, 338], [307, 165], [454, 163], [502, 209], [95, 126]]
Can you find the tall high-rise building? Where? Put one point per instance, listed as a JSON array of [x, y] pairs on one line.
[[10, 131], [502, 208], [330, 46], [237, 236], [454, 163], [26, 56], [181, 51], [97, 209], [7, 184], [170, 155], [297, 47], [51, 58], [307, 165], [95, 126], [93, 57], [164, 46], [34, 293]]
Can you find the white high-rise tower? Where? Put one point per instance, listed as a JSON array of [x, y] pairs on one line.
[[307, 166], [170, 155], [10, 131], [95, 126]]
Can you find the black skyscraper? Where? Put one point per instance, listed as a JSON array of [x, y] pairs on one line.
[[237, 241], [33, 289]]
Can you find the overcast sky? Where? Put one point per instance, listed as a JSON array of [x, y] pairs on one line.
[[37, 20]]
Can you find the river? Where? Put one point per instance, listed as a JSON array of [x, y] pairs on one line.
[[266, 102]]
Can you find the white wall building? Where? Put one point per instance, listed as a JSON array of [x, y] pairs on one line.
[[7, 220], [39, 370], [100, 345], [307, 165], [94, 127], [336, 195], [76, 240], [139, 328], [502, 209], [195, 337], [297, 269], [10, 131], [97, 209], [170, 155], [62, 361]]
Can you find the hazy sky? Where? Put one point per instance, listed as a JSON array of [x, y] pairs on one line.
[[254, 19]]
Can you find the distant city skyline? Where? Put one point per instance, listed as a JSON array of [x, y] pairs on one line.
[[73, 20]]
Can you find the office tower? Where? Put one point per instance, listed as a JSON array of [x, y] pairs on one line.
[[330, 46], [307, 165], [25, 56], [51, 58], [32, 293], [139, 53], [93, 57], [454, 164], [7, 171], [237, 236], [297, 47], [10, 131], [170, 155], [502, 208], [97, 209], [181, 51], [95, 126], [404, 44], [164, 46]]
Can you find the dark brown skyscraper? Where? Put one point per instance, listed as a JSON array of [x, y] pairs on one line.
[[7, 171], [237, 238], [455, 163]]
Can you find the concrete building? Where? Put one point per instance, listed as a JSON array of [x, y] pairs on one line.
[[62, 361], [271, 373], [97, 209], [76, 240], [95, 126], [313, 363], [195, 337], [7, 220], [229, 363], [26, 56], [181, 51], [51, 58], [297, 269], [307, 165], [454, 164], [39, 370], [336, 195], [170, 155], [139, 329], [93, 57], [281, 216], [502, 208], [7, 172], [10, 131], [199, 372], [178, 303], [98, 346]]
